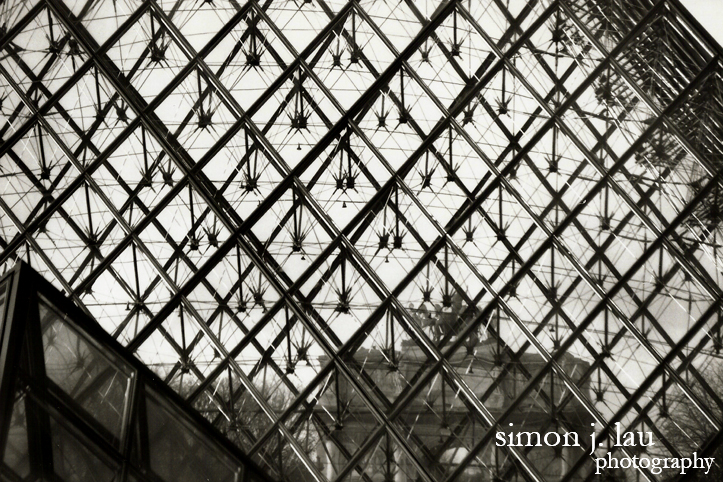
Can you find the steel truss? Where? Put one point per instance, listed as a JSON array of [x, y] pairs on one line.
[[363, 237]]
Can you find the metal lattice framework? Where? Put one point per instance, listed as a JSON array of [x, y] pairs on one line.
[[361, 237]]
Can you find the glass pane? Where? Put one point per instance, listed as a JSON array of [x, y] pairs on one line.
[[2, 300], [16, 449], [254, 477], [178, 453], [3, 287], [98, 382], [73, 461]]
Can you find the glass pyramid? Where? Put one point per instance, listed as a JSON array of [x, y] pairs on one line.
[[365, 239]]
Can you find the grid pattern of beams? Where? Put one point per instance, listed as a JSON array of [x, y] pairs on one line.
[[362, 237]]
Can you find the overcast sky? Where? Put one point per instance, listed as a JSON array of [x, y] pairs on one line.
[[709, 13]]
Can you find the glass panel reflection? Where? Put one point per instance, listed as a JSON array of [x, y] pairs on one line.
[[98, 382], [178, 452], [16, 448], [3, 286], [73, 461]]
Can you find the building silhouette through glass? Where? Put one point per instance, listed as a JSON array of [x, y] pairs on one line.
[[357, 240]]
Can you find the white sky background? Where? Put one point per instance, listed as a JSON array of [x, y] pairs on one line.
[[709, 13]]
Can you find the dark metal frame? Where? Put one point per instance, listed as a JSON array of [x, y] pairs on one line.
[[668, 101]]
